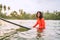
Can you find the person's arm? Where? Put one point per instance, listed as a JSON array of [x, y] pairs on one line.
[[35, 24]]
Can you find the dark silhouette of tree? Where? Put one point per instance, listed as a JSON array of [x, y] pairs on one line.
[[0, 7], [4, 7], [13, 14], [8, 8]]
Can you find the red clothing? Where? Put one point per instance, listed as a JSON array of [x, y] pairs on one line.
[[41, 24]]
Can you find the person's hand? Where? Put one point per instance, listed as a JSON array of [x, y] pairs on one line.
[[33, 26]]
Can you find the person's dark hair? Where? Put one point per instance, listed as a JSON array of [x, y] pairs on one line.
[[41, 14]]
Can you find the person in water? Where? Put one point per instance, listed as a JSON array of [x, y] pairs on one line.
[[40, 22]]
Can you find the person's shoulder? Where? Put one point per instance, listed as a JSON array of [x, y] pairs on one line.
[[38, 19], [42, 19]]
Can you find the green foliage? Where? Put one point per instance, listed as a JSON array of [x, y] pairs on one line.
[[8, 8], [33, 16], [21, 29], [5, 7], [0, 7], [23, 15], [52, 16]]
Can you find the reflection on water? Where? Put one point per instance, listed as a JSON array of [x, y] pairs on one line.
[[52, 31]]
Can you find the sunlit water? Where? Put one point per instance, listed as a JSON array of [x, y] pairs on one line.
[[52, 31]]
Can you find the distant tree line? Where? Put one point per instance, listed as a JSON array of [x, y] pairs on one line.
[[24, 15]]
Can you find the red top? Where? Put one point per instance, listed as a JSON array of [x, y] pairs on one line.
[[41, 23]]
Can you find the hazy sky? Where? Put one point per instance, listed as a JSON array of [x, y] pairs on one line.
[[32, 5]]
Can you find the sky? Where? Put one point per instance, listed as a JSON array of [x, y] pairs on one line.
[[32, 6]]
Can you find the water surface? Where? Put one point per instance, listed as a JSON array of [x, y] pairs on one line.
[[52, 31]]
